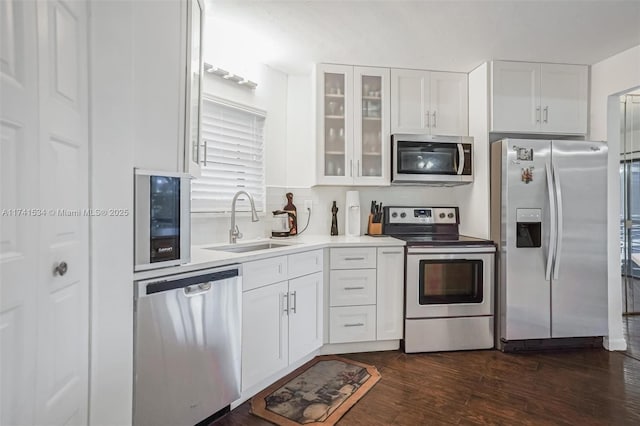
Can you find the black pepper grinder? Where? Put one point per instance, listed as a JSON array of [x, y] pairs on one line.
[[293, 214], [334, 219]]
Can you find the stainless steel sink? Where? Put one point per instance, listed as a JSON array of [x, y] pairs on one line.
[[243, 248]]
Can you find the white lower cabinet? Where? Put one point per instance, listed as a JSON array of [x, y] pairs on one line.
[[352, 324], [265, 333], [281, 321], [366, 287]]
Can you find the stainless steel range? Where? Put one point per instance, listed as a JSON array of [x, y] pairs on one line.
[[449, 280]]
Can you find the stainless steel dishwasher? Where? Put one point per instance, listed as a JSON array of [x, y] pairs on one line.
[[187, 346]]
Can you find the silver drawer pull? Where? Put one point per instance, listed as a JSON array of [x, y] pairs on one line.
[[354, 288], [354, 258], [391, 252], [358, 324]]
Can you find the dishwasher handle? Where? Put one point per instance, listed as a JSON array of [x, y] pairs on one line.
[[192, 283]]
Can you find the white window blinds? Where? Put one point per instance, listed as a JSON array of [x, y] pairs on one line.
[[233, 139]]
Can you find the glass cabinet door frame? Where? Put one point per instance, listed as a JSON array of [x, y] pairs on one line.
[[361, 153], [324, 178]]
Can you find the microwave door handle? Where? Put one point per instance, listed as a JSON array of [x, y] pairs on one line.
[[460, 166]]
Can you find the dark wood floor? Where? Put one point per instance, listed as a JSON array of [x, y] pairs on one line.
[[587, 387]]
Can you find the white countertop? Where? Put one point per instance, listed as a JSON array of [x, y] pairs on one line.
[[204, 258]]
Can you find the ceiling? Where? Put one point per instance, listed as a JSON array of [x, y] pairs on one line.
[[438, 35]]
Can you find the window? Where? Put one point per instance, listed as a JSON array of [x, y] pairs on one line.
[[233, 139]]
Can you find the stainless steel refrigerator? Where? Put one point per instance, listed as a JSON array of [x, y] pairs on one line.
[[548, 217]]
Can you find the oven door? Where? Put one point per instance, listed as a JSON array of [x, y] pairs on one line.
[[449, 283]]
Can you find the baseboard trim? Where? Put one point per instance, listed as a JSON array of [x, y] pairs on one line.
[[345, 348], [618, 344]]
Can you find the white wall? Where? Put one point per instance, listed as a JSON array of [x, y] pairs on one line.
[[301, 133], [613, 76], [270, 96], [111, 174]]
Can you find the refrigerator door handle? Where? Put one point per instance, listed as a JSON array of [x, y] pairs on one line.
[[556, 262], [460, 159], [552, 227]]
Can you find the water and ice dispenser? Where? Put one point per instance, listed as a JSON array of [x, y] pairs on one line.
[[528, 227]]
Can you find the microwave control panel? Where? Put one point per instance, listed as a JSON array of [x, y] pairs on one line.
[[422, 215]]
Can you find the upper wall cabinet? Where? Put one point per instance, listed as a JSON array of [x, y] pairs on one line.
[[352, 125], [539, 98], [429, 102], [193, 113]]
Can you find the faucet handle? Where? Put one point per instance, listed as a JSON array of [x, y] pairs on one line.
[[237, 232]]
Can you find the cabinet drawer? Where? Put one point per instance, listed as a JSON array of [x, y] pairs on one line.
[[352, 324], [304, 263], [262, 272], [353, 258], [352, 287]]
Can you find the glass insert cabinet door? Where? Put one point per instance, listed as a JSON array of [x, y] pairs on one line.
[[335, 125], [371, 127]]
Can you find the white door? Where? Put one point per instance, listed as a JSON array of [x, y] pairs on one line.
[[515, 97], [45, 133], [564, 90], [409, 101], [390, 290], [18, 189], [449, 104], [305, 318], [264, 333]]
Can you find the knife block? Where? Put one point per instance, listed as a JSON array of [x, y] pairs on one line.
[[374, 228]]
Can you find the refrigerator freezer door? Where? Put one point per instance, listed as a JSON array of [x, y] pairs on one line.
[[524, 292], [579, 286]]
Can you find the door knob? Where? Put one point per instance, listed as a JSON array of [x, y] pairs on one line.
[[61, 268]]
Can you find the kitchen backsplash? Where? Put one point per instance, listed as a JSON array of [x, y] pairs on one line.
[[214, 228]]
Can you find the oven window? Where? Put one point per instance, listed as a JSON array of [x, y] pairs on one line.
[[450, 281]]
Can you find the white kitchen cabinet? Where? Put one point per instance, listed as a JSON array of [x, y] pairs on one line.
[[390, 292], [281, 313], [305, 315], [366, 288], [352, 125], [429, 102], [193, 150], [539, 98], [265, 332]]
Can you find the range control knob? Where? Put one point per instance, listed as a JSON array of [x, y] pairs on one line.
[[394, 214], [450, 215], [442, 215], [403, 215]]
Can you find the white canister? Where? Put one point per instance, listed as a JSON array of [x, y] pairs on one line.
[[352, 214]]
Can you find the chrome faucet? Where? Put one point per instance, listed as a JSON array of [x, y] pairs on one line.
[[234, 232]]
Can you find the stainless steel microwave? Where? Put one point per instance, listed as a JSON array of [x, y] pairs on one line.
[[434, 160], [162, 219]]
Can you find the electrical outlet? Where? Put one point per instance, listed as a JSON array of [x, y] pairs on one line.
[[308, 204]]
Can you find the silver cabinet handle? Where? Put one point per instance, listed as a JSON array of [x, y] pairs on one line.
[[61, 268], [435, 123], [427, 119], [354, 258], [285, 303], [279, 268], [357, 324], [391, 252], [204, 160], [546, 114], [358, 168], [354, 288], [537, 114], [350, 168], [294, 304]]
